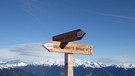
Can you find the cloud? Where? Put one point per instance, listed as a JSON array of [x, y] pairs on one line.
[[6, 54], [27, 52], [29, 6], [116, 60], [31, 49], [119, 16], [31, 52], [37, 9]]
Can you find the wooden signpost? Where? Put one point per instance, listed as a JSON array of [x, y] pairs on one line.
[[63, 43], [70, 36], [54, 46]]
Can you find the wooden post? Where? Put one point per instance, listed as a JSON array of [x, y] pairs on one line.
[[64, 43], [68, 64]]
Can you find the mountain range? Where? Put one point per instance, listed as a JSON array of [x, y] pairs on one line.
[[55, 67]]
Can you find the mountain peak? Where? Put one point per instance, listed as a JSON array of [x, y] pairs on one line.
[[50, 62], [12, 64], [126, 65], [60, 62]]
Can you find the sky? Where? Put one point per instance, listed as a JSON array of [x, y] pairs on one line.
[[25, 25]]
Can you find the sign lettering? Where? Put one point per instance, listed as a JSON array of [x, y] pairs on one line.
[[54, 46], [70, 36]]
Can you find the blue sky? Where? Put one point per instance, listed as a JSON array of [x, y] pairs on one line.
[[109, 27]]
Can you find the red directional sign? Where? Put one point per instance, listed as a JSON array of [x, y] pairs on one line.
[[54, 46], [70, 36]]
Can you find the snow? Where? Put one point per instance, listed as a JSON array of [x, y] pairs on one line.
[[50, 62], [84, 63], [12, 64], [87, 63], [126, 65], [60, 62], [1, 62]]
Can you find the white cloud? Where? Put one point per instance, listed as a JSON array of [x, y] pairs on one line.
[[36, 9], [116, 60], [119, 16], [35, 52], [27, 52], [5, 54], [29, 6]]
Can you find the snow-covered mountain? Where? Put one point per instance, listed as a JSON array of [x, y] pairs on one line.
[[77, 62], [50, 62], [84, 63], [12, 64], [60, 62], [51, 67]]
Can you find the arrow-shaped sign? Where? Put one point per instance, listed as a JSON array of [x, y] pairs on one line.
[[70, 36], [54, 46]]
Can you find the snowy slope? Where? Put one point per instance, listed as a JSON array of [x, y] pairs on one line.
[[84, 63], [50, 62], [12, 64], [60, 62]]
